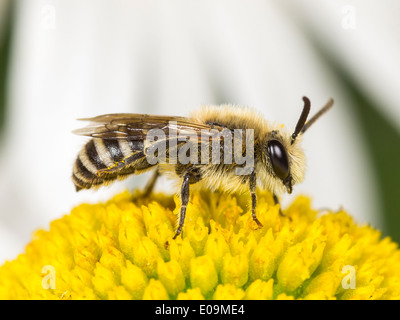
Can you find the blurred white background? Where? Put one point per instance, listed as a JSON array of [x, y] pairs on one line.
[[72, 59]]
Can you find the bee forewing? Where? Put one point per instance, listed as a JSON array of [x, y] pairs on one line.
[[133, 126]]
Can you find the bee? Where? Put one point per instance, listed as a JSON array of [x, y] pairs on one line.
[[195, 151]]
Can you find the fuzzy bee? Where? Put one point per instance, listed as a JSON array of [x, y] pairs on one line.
[[219, 147]]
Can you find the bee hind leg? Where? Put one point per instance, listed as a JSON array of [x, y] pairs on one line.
[[151, 183]]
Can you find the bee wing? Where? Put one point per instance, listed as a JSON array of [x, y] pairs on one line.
[[131, 126]]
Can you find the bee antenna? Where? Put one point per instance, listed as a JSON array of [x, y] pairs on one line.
[[323, 110], [302, 120]]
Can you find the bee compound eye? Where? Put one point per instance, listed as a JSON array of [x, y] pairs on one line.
[[279, 158]]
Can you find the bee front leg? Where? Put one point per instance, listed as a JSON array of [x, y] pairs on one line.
[[253, 185], [185, 201], [276, 200]]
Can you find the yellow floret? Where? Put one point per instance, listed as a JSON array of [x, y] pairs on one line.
[[123, 249]]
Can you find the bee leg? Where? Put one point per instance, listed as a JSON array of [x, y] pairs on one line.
[[185, 201], [276, 200], [253, 185], [151, 183]]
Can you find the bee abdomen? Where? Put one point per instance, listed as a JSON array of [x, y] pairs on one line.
[[86, 168], [102, 161], [83, 178]]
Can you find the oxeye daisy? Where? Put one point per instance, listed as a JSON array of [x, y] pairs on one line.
[[123, 249]]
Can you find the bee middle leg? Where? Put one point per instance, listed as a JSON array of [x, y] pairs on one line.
[[189, 177], [253, 185]]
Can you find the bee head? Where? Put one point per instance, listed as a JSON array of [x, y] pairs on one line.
[[284, 162], [283, 157]]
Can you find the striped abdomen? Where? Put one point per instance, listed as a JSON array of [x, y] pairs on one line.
[[102, 161]]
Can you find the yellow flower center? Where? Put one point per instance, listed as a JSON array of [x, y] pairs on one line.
[[123, 249]]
